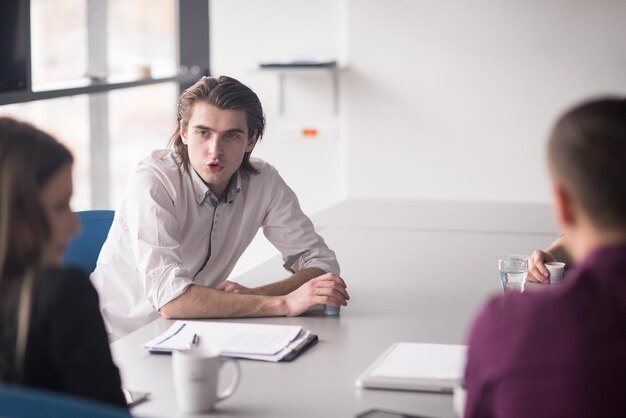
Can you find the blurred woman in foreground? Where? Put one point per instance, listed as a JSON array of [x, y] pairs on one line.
[[51, 332]]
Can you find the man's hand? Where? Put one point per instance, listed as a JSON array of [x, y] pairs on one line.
[[327, 289], [537, 271], [233, 287]]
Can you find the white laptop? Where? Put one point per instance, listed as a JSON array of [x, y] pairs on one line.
[[417, 366]]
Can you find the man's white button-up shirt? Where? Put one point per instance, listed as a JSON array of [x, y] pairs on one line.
[[171, 232]]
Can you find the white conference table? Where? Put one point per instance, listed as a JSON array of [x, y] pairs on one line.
[[416, 271]]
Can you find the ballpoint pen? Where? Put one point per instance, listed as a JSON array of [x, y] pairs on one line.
[[194, 341]]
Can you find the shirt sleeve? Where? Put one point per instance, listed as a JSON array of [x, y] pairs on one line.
[[76, 338], [293, 233], [153, 229]]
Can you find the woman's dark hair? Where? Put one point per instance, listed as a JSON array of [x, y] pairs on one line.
[[224, 93], [28, 159]]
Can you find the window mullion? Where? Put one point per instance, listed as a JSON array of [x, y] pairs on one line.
[[97, 68]]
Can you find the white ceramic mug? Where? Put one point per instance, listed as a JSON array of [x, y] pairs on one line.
[[196, 375], [459, 398]]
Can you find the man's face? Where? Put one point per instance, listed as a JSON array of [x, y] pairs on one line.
[[217, 140]]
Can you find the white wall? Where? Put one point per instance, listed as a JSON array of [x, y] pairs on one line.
[[454, 99], [246, 32], [441, 99]]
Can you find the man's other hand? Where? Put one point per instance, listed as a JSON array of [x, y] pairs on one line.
[[327, 289]]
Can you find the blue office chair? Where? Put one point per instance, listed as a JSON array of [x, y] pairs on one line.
[[83, 249], [26, 402]]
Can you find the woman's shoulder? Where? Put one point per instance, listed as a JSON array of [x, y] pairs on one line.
[[63, 283]]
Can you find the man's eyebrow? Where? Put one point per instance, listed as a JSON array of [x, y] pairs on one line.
[[208, 128], [236, 130], [202, 127]]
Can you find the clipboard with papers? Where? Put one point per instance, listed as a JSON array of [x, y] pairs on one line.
[[416, 366], [241, 340]]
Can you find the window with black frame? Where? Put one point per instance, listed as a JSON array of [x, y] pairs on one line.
[[102, 76]]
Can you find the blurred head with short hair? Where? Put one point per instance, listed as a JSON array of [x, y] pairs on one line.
[[587, 160]]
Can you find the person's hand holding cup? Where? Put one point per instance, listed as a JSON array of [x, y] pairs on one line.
[[537, 271], [196, 374]]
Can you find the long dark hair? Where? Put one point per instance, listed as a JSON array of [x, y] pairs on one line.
[[29, 157]]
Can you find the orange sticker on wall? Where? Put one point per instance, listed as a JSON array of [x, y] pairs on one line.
[[309, 132]]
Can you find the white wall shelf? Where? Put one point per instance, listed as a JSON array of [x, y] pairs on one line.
[[286, 71]]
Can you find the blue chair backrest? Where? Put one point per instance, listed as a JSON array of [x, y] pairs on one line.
[[83, 249], [26, 402]]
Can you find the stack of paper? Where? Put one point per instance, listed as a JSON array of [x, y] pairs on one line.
[[417, 366], [251, 341]]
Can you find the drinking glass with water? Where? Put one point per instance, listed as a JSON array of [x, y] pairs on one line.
[[513, 272]]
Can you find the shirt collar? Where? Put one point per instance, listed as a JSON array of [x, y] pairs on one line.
[[202, 192]]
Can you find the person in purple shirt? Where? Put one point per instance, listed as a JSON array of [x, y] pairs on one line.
[[561, 352]]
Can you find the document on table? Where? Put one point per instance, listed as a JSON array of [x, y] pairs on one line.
[[252, 341], [417, 366]]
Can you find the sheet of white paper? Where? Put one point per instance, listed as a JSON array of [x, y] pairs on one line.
[[427, 361], [233, 338], [302, 338]]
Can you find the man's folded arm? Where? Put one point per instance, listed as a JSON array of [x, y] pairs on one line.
[[204, 302]]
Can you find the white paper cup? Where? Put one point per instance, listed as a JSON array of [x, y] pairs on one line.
[[556, 270], [196, 376]]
